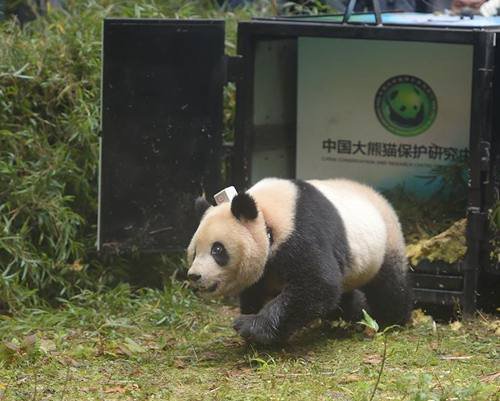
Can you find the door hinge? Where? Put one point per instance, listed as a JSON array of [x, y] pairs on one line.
[[476, 235], [484, 161]]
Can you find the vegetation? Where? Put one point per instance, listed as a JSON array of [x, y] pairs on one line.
[[425, 217], [435, 227], [49, 125], [70, 331], [161, 345], [448, 246]]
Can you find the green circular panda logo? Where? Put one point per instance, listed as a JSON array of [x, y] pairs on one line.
[[405, 105]]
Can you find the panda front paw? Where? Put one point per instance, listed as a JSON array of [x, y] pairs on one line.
[[255, 329]]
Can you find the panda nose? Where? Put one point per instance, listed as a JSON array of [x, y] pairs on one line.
[[194, 277]]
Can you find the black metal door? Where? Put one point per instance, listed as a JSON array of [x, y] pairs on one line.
[[162, 90]]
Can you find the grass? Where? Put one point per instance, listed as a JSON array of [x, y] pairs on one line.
[[160, 345]]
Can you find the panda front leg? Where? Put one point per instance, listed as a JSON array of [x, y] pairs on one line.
[[300, 302], [252, 299]]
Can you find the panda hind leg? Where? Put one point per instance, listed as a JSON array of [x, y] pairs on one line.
[[389, 294], [350, 307]]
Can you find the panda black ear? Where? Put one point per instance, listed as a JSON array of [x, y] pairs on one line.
[[200, 207], [244, 206]]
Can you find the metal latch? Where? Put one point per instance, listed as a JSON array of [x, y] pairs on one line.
[[484, 161], [234, 68]]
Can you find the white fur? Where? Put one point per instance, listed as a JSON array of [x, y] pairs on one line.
[[365, 228], [245, 241], [277, 199]]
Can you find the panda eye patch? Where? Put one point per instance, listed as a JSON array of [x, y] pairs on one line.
[[219, 254]]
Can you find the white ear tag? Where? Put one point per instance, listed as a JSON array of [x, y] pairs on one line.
[[226, 195]]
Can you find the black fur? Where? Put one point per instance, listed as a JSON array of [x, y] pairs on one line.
[[311, 263], [253, 298], [200, 207], [243, 206], [219, 254], [389, 295], [351, 307]]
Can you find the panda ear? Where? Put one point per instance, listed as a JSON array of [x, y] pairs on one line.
[[200, 207], [244, 206]]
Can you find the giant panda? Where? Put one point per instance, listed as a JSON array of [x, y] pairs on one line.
[[296, 250]]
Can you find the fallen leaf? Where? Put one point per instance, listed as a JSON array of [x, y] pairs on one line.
[[92, 389], [67, 361], [350, 378], [179, 364], [136, 372], [13, 347], [121, 389], [123, 350], [244, 371], [455, 357], [233, 342], [418, 317], [47, 346], [490, 378], [229, 311], [29, 341], [337, 396], [166, 342], [133, 346], [369, 332], [209, 356], [455, 326], [493, 325], [372, 359], [115, 390], [448, 246], [76, 266]]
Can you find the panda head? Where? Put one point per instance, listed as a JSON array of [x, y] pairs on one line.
[[230, 248]]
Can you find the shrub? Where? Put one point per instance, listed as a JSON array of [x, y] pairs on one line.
[[49, 123]]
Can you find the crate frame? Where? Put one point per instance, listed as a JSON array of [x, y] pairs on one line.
[[435, 284]]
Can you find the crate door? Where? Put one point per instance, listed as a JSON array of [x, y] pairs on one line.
[[162, 84]]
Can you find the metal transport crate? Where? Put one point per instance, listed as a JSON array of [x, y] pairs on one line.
[[313, 96]]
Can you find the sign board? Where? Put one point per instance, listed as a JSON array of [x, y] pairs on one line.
[[382, 112]]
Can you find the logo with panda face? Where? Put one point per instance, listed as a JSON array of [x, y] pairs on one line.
[[405, 105]]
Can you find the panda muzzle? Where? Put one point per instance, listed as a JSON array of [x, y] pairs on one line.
[[196, 283]]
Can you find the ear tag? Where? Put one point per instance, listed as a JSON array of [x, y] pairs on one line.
[[226, 195]]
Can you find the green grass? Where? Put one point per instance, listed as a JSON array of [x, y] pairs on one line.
[[160, 345]]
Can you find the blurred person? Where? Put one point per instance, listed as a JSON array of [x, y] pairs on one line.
[[458, 5]]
